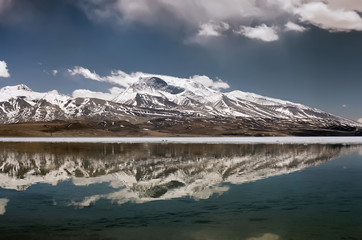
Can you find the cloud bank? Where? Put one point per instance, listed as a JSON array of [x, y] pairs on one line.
[[4, 72], [125, 80], [85, 93], [322, 15], [211, 18]]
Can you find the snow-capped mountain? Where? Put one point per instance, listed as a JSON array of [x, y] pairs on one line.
[[153, 97]]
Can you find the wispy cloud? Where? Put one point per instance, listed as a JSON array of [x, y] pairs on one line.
[[125, 80], [54, 72], [4, 72], [86, 73], [118, 77]]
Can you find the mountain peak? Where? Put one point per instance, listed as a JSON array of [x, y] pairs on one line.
[[20, 87], [23, 87], [155, 82], [161, 85], [9, 92]]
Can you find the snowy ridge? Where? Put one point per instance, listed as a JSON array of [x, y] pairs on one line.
[[154, 97], [23, 92]]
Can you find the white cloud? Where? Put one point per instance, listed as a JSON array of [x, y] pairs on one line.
[[117, 77], [290, 26], [207, 82], [261, 32], [212, 29], [123, 79], [3, 203], [4, 72], [359, 120], [84, 93], [344, 105], [55, 72], [86, 73], [323, 16]]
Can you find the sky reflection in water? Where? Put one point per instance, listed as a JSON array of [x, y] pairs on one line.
[[180, 191]]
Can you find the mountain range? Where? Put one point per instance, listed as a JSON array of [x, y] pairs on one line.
[[156, 106]]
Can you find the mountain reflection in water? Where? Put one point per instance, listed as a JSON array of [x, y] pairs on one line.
[[146, 172]]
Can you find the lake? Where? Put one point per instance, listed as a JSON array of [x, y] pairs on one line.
[[165, 190]]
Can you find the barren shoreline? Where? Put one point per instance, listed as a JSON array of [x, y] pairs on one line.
[[196, 140]]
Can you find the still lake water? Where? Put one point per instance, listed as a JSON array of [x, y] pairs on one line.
[[180, 191]]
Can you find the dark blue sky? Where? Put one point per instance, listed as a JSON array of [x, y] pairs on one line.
[[318, 64]]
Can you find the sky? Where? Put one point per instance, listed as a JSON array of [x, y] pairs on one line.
[[304, 51]]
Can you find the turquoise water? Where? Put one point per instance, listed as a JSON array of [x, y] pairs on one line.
[[184, 191]]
